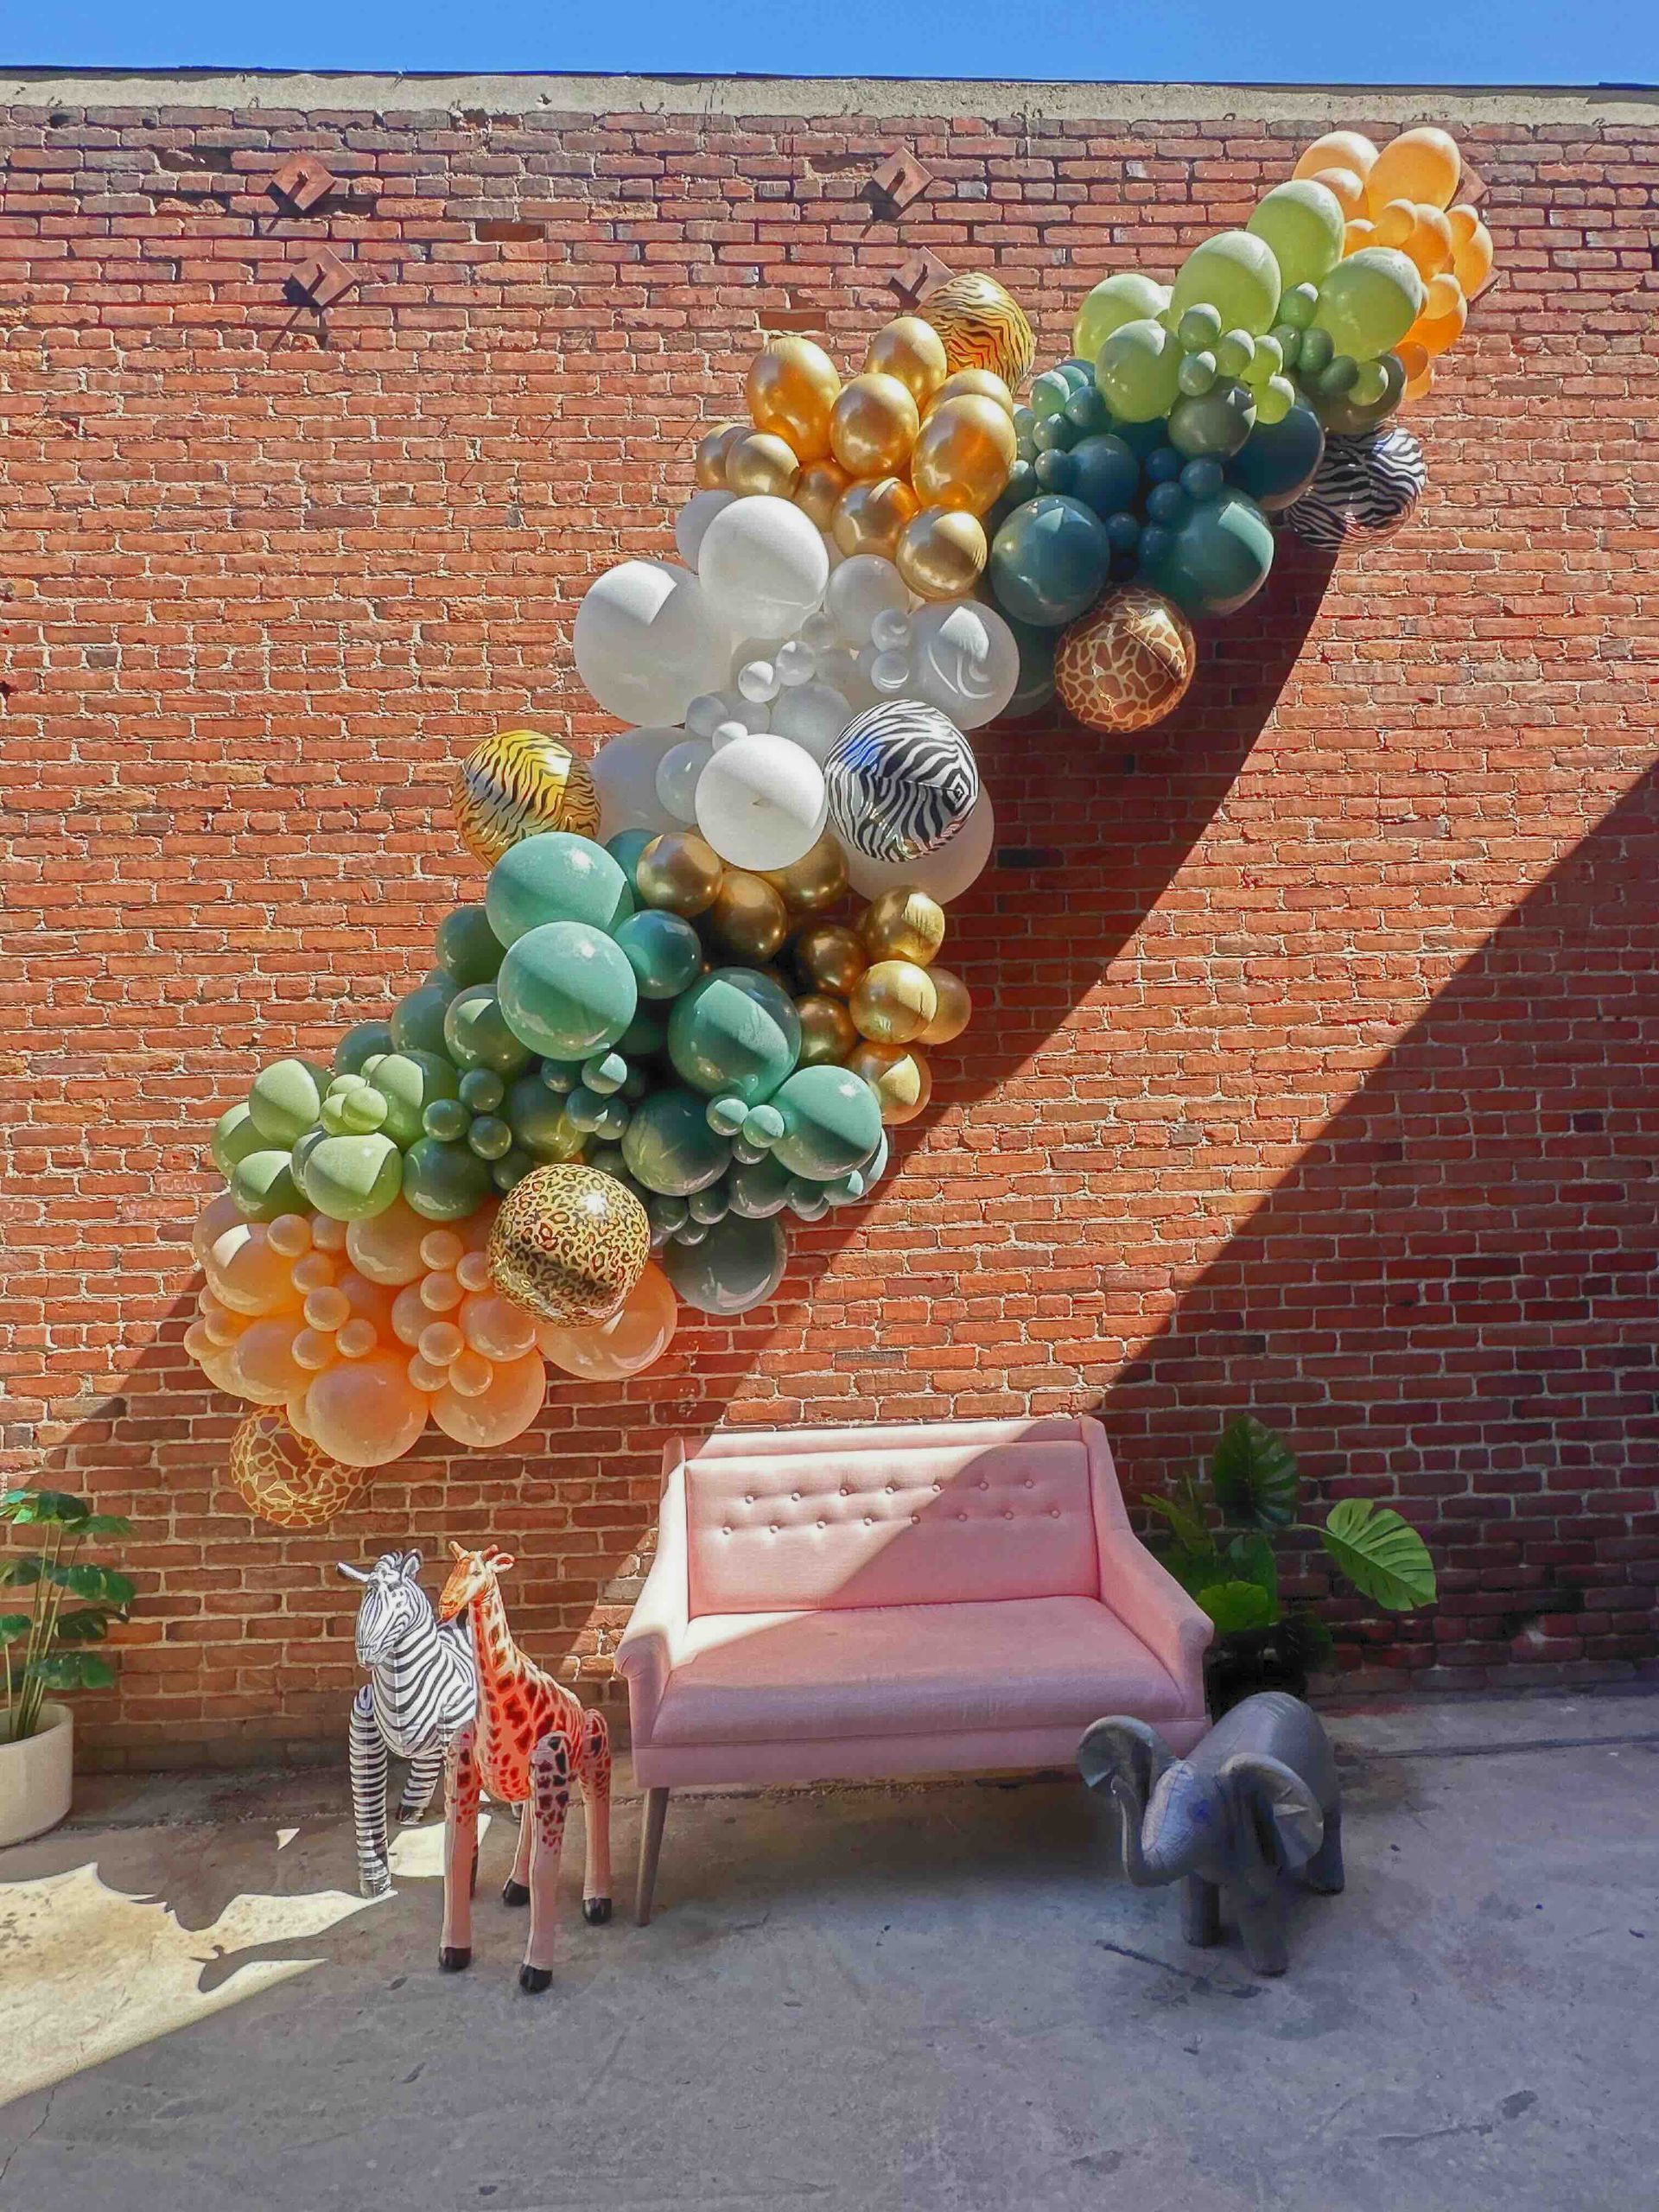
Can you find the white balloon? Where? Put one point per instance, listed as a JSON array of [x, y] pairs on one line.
[[812, 716], [728, 733], [763, 567], [862, 588], [945, 874], [624, 776], [696, 516], [963, 661], [647, 641], [677, 778], [760, 802], [841, 670], [727, 706]]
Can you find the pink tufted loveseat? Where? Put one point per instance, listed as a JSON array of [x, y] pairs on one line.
[[937, 1599]]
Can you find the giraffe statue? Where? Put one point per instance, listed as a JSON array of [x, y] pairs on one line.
[[529, 1737]]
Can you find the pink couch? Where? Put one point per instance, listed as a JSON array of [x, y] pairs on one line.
[[937, 1599]]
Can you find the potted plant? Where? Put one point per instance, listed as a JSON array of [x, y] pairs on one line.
[[1221, 1551], [45, 1648]]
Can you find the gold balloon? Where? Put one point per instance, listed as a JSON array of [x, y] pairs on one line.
[[973, 383], [872, 425], [830, 957], [748, 916], [942, 553], [680, 872], [827, 1031], [792, 386], [818, 490], [815, 881], [760, 463], [872, 517], [903, 925], [899, 1076], [911, 350], [963, 453], [712, 449], [955, 1008], [893, 1001]]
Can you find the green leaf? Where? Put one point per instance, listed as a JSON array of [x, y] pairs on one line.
[[1252, 1559], [1188, 1531], [1237, 1605], [54, 1506], [14, 1627], [1382, 1555], [87, 1624], [1255, 1475], [22, 1569], [98, 1582], [73, 1671], [107, 1524]]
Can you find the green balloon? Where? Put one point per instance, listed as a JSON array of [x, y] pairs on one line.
[[669, 1146], [234, 1137], [361, 1044], [418, 1021], [625, 850], [734, 1033], [538, 1122], [351, 1178], [567, 990], [1138, 370], [1302, 225], [1216, 424], [1035, 686], [832, 1122], [285, 1099], [409, 1082], [263, 1185], [1127, 298], [1370, 301], [1235, 273], [556, 877], [1050, 561], [444, 1182], [468, 948], [760, 1188], [663, 951], [738, 1264], [1217, 559], [645, 1037], [1279, 461], [477, 1034], [1349, 418]]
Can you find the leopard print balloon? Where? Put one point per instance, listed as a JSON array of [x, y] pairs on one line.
[[570, 1244], [282, 1479], [517, 784], [983, 327], [1127, 663]]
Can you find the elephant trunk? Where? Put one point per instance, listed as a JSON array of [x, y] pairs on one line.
[[1147, 1871]]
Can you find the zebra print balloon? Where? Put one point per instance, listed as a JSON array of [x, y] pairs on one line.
[[1365, 487], [900, 782]]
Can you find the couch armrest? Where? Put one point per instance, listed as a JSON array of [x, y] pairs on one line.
[[655, 1635], [1146, 1597]]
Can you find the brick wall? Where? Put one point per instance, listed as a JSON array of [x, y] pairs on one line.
[[1311, 1071]]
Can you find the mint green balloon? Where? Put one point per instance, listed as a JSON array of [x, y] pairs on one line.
[[409, 1082], [478, 1034], [234, 1137], [418, 1019], [1235, 273], [285, 1099], [444, 1182], [663, 951], [351, 1178], [556, 877], [361, 1044], [468, 948], [567, 990], [735, 1034], [832, 1122], [263, 1185], [669, 1146], [1370, 301], [1138, 371], [1302, 225], [1127, 298]]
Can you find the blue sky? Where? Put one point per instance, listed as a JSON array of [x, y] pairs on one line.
[[1284, 41]]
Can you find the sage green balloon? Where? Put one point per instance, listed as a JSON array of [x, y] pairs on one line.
[[409, 1082], [663, 951], [361, 1044], [1127, 298], [538, 1122], [477, 1034], [467, 948], [418, 1019], [1235, 273], [1217, 559], [1352, 418], [1138, 371], [352, 1178], [285, 1099], [263, 1185], [1370, 301], [832, 1122], [737, 1265], [734, 1034], [670, 1148], [556, 877], [444, 1182], [234, 1137], [567, 990], [1217, 422], [1302, 225], [760, 1188]]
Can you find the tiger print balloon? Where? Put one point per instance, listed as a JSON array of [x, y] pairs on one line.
[[519, 783], [283, 1480], [1363, 487], [900, 782], [983, 327], [1127, 663]]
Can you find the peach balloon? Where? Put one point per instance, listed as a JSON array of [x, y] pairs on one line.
[[369, 1301], [515, 1394], [441, 1248], [387, 1247], [1445, 313], [357, 1339], [294, 1413], [440, 1343], [327, 1309], [217, 1365], [1421, 234], [440, 1291], [366, 1413], [216, 1217], [1421, 164], [634, 1338], [409, 1315], [471, 1374], [245, 1273], [263, 1365], [472, 1271], [426, 1377], [327, 1235], [497, 1326], [475, 1230], [312, 1351], [1337, 150], [290, 1234], [1471, 250], [1346, 186], [1356, 234], [220, 1325], [314, 1272]]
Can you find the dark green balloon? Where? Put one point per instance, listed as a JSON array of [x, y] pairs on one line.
[[832, 1121], [467, 948], [1217, 559], [737, 1265], [361, 1044], [1216, 424], [1278, 460], [476, 1033], [556, 877], [418, 1021], [625, 850], [409, 1082], [444, 1182], [1036, 685], [1049, 561], [538, 1122], [1105, 475], [663, 951], [567, 990], [760, 1189], [670, 1148], [735, 1034], [1348, 419], [645, 1037]]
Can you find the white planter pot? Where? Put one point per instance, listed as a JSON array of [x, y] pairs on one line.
[[36, 1775]]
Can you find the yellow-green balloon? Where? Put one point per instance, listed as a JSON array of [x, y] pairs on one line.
[[1301, 223], [1138, 371], [1370, 301], [1235, 273], [1127, 298]]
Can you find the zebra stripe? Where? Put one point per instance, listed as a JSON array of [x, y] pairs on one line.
[[901, 781], [1363, 486]]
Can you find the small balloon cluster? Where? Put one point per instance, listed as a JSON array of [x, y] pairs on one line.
[[1151, 465]]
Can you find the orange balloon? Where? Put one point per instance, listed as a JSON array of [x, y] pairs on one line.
[[366, 1412], [368, 1302], [1420, 387], [1445, 312], [263, 1364], [216, 1217], [1422, 164], [246, 1275], [792, 386], [494, 1415], [634, 1338], [410, 1314], [496, 1326], [1356, 234], [1348, 188], [387, 1247], [1471, 249], [1412, 358], [1337, 150], [1429, 246]]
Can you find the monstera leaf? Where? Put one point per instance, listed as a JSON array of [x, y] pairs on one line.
[[1234, 1605], [1255, 1475], [1251, 1558], [73, 1671], [1382, 1556]]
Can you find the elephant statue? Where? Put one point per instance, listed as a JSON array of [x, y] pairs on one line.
[[1258, 1799]]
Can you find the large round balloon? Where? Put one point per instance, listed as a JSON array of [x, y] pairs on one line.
[[624, 776], [568, 1243], [1128, 296], [963, 660], [945, 874], [1364, 487], [483, 1421], [735, 1034], [762, 568], [1215, 560], [761, 801], [1301, 222], [737, 1265], [983, 327], [1137, 370], [351, 1177], [1049, 560], [517, 784], [366, 1412], [554, 878], [567, 990], [634, 1338], [647, 642], [669, 1146], [1279, 461], [470, 952], [1127, 663], [663, 951], [694, 518], [477, 1031], [832, 1122], [901, 782], [1236, 273], [1370, 301], [283, 1480]]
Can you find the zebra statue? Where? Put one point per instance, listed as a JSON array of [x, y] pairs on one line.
[[422, 1686]]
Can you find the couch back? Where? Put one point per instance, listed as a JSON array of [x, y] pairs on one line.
[[786, 1520]]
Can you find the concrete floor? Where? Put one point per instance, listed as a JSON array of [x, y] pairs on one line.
[[930, 1999]]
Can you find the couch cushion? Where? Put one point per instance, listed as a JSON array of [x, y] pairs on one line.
[[889, 1670], [925, 1515]]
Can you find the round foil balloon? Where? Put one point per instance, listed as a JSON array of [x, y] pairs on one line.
[[1127, 663], [283, 1479], [1363, 487], [901, 782], [983, 327], [570, 1244], [517, 784]]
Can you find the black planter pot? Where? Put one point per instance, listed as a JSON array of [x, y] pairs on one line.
[[1246, 1660]]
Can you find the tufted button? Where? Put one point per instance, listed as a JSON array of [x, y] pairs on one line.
[[936, 1490], [773, 1530], [725, 1532], [749, 1498], [1053, 1512], [962, 1517], [914, 1519], [1029, 1484], [843, 1489], [795, 1497], [1008, 1516], [820, 1524], [889, 1490], [869, 1523], [984, 1486]]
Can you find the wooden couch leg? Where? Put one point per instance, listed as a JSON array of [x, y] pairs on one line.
[[650, 1845]]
